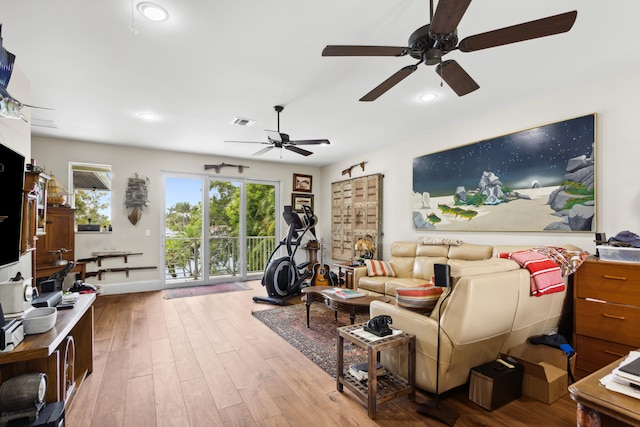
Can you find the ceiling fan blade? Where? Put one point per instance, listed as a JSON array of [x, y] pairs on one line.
[[297, 150], [274, 135], [264, 150], [389, 83], [517, 33], [456, 77], [310, 142], [336, 50], [448, 15]]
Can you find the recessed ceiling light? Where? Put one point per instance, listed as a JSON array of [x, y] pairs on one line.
[[152, 11], [427, 97], [147, 116]]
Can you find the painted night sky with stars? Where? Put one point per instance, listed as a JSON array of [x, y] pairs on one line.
[[518, 159]]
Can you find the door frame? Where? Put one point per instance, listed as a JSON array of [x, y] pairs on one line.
[[205, 179]]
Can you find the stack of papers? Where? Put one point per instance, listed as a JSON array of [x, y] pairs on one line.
[[70, 297], [625, 378], [348, 293], [371, 337]]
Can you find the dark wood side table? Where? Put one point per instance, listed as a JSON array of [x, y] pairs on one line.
[[346, 278], [387, 387], [598, 406], [312, 255]]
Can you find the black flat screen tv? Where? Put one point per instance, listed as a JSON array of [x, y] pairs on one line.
[[11, 184]]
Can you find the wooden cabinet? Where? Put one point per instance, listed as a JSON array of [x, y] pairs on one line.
[[36, 184], [29, 222], [64, 352], [607, 313], [60, 225], [356, 211]]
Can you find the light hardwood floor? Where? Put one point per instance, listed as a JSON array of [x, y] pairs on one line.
[[206, 361]]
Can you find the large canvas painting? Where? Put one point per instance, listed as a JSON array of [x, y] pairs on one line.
[[540, 179]]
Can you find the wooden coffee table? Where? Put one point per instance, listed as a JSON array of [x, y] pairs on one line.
[[352, 306]]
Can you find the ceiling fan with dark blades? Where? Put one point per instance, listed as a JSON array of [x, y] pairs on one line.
[[277, 139], [428, 44]]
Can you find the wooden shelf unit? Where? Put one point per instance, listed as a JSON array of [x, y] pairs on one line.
[[356, 211]]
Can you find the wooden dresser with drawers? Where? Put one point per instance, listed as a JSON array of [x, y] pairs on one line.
[[607, 313]]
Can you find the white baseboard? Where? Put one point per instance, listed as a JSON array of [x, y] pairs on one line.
[[131, 287]]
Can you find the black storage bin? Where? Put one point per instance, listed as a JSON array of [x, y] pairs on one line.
[[494, 384]]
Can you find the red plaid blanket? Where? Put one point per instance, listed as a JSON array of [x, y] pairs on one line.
[[546, 275]]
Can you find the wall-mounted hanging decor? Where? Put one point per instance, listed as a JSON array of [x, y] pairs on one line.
[[217, 167], [136, 197], [9, 106], [302, 183], [540, 179], [297, 200], [347, 171]]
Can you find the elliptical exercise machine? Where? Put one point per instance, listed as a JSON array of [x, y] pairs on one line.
[[283, 278]]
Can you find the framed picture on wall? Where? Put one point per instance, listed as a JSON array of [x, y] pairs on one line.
[[302, 183], [538, 179], [297, 200]]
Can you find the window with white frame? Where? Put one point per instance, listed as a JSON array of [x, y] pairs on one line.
[[91, 185]]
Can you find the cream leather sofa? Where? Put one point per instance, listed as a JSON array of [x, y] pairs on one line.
[[489, 310]]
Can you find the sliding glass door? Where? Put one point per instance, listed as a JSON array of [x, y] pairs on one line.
[[220, 234]]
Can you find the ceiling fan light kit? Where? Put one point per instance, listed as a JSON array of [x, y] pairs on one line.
[[429, 43]]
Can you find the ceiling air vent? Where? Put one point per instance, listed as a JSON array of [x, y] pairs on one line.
[[43, 123], [242, 122]]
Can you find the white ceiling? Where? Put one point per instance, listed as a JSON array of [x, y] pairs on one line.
[[216, 60]]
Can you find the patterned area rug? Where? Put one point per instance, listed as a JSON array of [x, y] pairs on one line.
[[195, 291], [318, 342]]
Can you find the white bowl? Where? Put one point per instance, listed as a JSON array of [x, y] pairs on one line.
[[39, 320]]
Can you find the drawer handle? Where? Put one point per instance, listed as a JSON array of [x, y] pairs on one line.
[[613, 353], [607, 276], [611, 316]]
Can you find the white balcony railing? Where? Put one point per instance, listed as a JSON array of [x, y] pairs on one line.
[[183, 256]]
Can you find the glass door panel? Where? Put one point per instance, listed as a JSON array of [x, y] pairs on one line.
[[225, 228], [183, 231], [260, 225]]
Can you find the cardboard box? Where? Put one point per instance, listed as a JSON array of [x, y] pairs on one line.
[[494, 384], [545, 371]]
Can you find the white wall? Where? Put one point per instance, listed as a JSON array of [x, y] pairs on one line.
[[55, 155], [16, 134], [614, 100]]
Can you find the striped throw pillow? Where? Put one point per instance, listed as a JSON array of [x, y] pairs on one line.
[[379, 268], [422, 300]]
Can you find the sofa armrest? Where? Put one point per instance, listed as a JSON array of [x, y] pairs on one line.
[[426, 331], [358, 272], [424, 327]]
